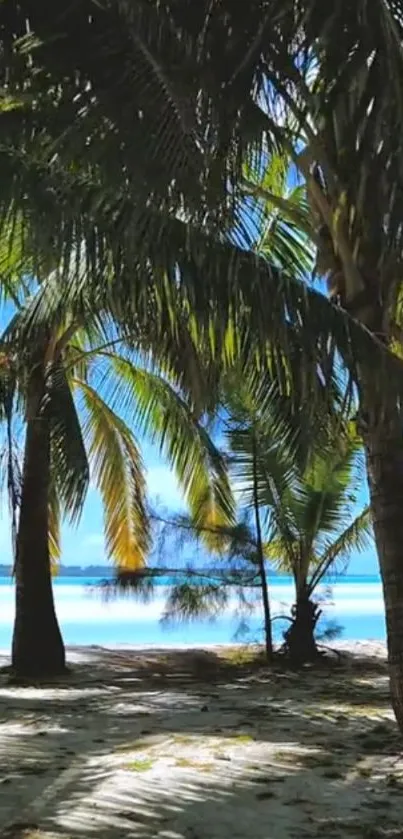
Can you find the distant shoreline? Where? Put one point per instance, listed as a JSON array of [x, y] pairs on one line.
[[106, 571], [70, 571]]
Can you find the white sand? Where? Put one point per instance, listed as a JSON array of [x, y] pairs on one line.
[[166, 744]]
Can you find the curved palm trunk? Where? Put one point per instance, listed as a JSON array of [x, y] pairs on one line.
[[384, 450], [37, 648]]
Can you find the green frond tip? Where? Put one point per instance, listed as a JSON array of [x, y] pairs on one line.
[[356, 537]]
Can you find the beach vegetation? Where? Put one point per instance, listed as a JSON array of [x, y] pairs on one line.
[[299, 513], [73, 396], [160, 175], [317, 523]]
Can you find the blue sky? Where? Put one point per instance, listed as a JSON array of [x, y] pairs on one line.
[[84, 545]]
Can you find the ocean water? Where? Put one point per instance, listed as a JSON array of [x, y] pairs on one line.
[[353, 603]]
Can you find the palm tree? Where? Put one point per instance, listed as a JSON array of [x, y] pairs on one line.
[[344, 130], [259, 453], [297, 498], [234, 412], [307, 76], [60, 443], [314, 529], [76, 389], [294, 498]]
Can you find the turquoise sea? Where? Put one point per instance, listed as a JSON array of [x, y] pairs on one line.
[[354, 603]]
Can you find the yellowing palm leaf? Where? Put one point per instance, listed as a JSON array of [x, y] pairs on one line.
[[54, 529], [208, 517], [118, 471], [163, 415]]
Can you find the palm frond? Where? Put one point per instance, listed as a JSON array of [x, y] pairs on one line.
[[274, 469], [282, 551], [54, 515], [284, 218], [162, 415], [69, 461], [314, 514], [356, 537], [163, 263], [118, 471], [328, 490]]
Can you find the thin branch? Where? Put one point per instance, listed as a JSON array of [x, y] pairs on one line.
[[216, 531]]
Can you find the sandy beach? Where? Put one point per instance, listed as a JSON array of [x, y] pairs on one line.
[[198, 744]]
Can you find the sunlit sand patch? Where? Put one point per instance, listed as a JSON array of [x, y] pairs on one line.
[[258, 753]]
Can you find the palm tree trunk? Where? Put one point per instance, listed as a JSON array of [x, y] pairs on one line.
[[300, 637], [37, 648], [384, 450], [261, 564]]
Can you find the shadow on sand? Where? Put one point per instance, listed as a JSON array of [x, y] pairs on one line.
[[193, 745]]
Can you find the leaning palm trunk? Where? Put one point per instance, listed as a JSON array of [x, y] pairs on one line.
[[37, 648], [384, 449]]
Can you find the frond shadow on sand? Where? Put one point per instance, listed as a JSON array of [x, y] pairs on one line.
[[200, 744]]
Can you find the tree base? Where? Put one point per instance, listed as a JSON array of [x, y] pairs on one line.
[[17, 680], [299, 657], [34, 674], [38, 654], [299, 640]]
